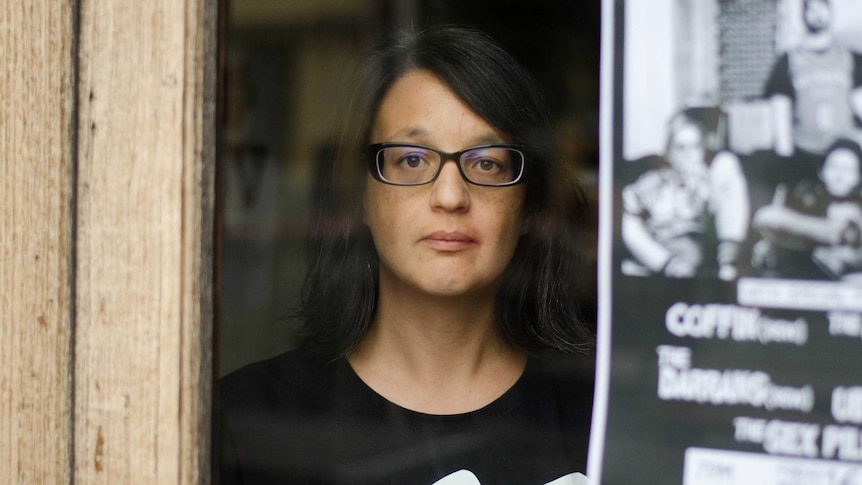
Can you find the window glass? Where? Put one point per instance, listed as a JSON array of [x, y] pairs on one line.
[[304, 417], [287, 64]]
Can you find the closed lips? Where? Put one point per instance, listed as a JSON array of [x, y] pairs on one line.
[[449, 240]]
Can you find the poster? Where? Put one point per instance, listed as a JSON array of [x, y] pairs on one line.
[[730, 247]]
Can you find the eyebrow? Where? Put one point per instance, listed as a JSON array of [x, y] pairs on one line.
[[410, 133], [414, 133]]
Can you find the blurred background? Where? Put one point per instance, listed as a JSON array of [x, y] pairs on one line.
[[286, 64]]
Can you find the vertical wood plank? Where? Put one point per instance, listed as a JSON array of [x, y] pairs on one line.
[[143, 247], [36, 96], [201, 95]]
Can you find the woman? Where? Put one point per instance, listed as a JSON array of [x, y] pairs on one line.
[[430, 284]]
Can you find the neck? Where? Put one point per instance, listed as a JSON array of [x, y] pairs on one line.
[[818, 41], [439, 355]]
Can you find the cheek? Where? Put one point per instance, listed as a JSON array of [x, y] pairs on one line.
[[509, 219], [383, 212], [371, 215], [373, 203]]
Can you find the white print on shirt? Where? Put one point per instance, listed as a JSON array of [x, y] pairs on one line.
[[466, 477]]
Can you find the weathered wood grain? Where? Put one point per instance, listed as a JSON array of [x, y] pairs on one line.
[[106, 240], [143, 273], [36, 100]]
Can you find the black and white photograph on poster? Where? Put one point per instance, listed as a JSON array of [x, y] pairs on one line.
[[730, 247]]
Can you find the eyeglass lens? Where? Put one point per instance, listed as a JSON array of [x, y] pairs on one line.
[[410, 165]]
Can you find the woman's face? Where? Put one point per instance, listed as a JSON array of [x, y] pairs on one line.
[[448, 237]]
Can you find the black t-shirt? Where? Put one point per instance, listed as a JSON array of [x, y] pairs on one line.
[[301, 420]]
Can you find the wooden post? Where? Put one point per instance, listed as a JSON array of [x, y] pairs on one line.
[[107, 144], [144, 212], [36, 106]]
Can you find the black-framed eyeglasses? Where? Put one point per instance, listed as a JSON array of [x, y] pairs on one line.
[[409, 164]]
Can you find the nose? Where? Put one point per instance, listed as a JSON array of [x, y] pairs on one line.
[[449, 191]]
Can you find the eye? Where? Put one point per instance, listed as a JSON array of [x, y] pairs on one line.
[[487, 165], [412, 160], [492, 165]]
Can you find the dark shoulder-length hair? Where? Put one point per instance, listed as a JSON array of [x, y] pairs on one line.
[[538, 306]]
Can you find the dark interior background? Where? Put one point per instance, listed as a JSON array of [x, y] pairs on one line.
[[286, 62]]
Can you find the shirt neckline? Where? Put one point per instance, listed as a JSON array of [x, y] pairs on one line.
[[499, 407]]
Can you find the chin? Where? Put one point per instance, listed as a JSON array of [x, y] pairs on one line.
[[449, 291], [455, 289]]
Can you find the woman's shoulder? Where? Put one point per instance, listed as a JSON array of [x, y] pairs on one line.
[[561, 390], [292, 378], [567, 380]]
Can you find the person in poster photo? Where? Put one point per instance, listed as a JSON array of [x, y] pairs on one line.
[[817, 87], [667, 211], [813, 230]]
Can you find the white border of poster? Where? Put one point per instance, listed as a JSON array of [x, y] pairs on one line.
[[605, 240]]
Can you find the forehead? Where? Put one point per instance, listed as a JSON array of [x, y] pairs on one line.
[[687, 133], [819, 3], [841, 159], [419, 107]]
